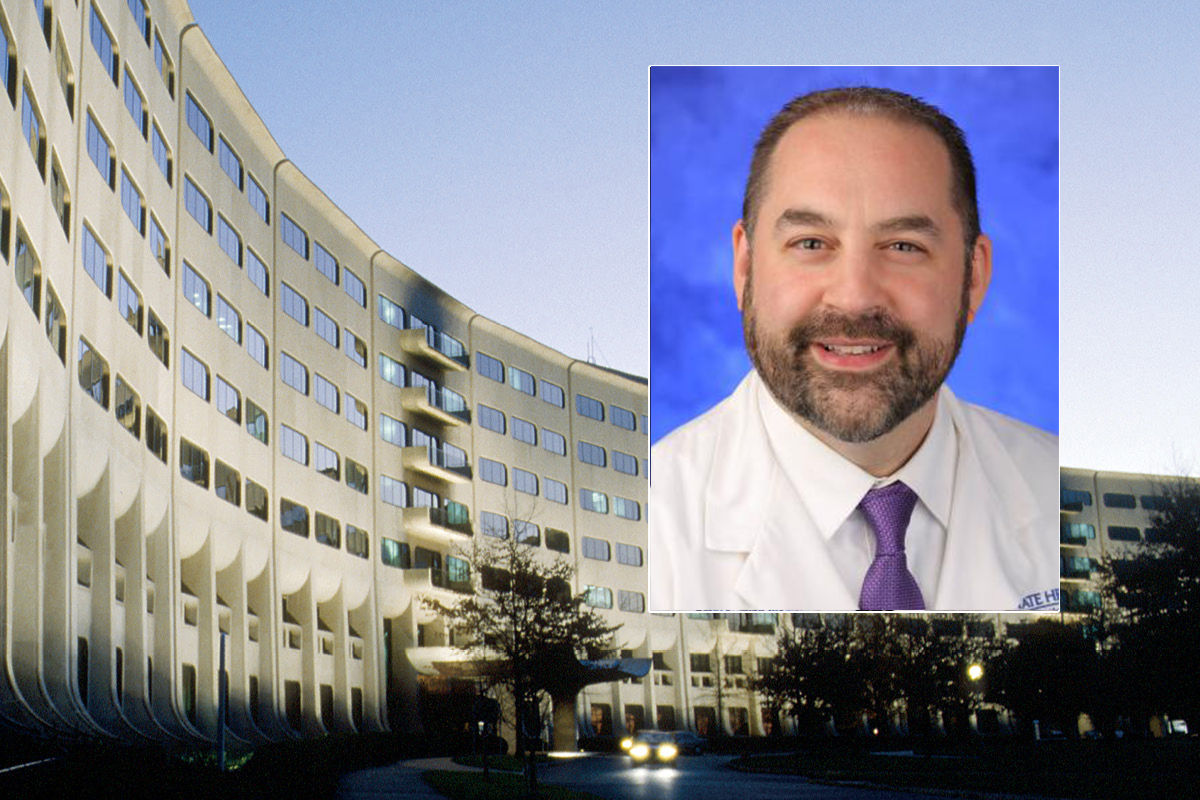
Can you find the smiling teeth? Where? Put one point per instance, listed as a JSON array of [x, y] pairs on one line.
[[852, 350]]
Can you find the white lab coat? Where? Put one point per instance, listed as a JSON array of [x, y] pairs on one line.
[[729, 532]]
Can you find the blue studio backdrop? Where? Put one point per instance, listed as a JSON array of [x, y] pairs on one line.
[[704, 122]]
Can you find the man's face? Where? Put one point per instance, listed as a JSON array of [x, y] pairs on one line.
[[854, 286]]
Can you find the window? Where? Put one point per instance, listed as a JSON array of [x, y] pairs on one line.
[[193, 463], [100, 152], [701, 662], [521, 380], [1112, 500], [622, 418], [552, 393], [355, 288], [60, 196], [357, 541], [458, 571], [325, 327], [258, 200], [326, 393], [257, 272], [355, 349], [229, 240], [598, 597], [158, 339], [96, 262], [595, 548], [1123, 533], [62, 62], [293, 517], [230, 163], [28, 272], [56, 324], [1075, 497], [623, 462], [356, 412], [293, 444], [629, 554], [489, 367], [631, 601], [227, 483], [199, 122], [394, 554], [102, 41], [156, 435], [524, 431], [257, 424], [356, 476], [132, 202], [593, 501], [391, 313], [197, 290], [392, 430], [554, 442], [493, 471], [128, 407], [1155, 502], [293, 235], [293, 304], [229, 320], [589, 407], [194, 374], [325, 263], [293, 373], [229, 400], [256, 500], [627, 509], [33, 130], [1076, 532], [393, 492], [135, 104], [138, 9], [160, 248], [526, 532], [494, 525], [327, 462], [555, 491], [8, 64], [645, 425], [163, 62], [197, 204], [129, 302], [557, 540], [491, 418], [256, 345], [592, 454], [524, 481]]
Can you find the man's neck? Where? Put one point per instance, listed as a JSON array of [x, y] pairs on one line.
[[885, 454]]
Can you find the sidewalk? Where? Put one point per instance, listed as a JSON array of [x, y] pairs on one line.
[[400, 780]]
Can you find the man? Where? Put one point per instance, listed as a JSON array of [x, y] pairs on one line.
[[842, 474]]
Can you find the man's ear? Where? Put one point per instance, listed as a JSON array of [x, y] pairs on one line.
[[981, 274], [741, 261]]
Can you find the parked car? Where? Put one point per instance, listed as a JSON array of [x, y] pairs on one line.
[[652, 747], [688, 742]]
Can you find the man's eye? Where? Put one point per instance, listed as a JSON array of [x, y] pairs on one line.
[[809, 244], [905, 247]]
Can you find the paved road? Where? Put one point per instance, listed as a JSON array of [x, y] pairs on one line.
[[612, 777]]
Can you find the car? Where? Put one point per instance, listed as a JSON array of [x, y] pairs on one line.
[[688, 742], [652, 747]]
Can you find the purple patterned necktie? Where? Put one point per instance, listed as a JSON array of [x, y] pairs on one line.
[[889, 586]]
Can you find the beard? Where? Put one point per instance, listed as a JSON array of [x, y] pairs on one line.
[[851, 406]]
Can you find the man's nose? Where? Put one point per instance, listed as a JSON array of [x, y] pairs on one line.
[[853, 283]]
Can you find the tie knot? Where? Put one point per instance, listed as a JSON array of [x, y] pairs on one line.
[[888, 510]]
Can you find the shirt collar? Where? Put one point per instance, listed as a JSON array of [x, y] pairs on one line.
[[830, 486]]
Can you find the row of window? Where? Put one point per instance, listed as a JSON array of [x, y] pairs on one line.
[[523, 480], [1076, 499], [295, 305], [28, 275], [231, 164], [591, 500], [198, 291], [294, 518], [394, 315], [522, 430], [195, 376], [94, 379], [599, 550], [602, 597]]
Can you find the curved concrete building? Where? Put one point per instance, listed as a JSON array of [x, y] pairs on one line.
[[226, 410]]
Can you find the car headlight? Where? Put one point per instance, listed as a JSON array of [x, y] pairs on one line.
[[667, 751], [639, 750], [627, 743]]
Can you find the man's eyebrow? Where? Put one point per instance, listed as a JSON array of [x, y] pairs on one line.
[[911, 223], [796, 217]]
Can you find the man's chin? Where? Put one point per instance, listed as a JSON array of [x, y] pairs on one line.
[[854, 415]]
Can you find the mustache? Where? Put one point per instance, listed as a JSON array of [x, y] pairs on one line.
[[875, 324]]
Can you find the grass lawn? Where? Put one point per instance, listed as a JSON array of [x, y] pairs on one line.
[[1083, 770], [471, 786]]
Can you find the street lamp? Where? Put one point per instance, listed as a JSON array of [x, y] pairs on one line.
[[975, 672]]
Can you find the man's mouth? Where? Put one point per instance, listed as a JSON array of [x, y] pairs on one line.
[[852, 349], [844, 355]]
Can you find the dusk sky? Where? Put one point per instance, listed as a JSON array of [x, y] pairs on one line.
[[501, 150]]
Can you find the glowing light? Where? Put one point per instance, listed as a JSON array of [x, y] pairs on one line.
[[975, 672]]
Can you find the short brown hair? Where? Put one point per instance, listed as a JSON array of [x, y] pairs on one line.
[[866, 100]]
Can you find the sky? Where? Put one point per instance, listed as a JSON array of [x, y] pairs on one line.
[[500, 149]]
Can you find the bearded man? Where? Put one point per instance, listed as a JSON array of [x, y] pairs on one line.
[[842, 474]]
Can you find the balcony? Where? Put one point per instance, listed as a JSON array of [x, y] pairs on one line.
[[435, 347], [434, 462], [437, 522], [426, 579], [436, 403]]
